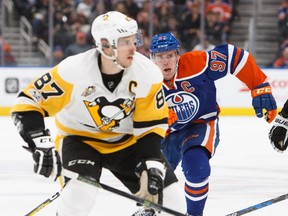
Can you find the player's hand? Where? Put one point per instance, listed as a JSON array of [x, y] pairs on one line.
[[263, 99], [46, 158], [151, 174], [278, 134]]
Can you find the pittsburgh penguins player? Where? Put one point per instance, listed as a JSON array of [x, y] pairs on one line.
[[110, 112]]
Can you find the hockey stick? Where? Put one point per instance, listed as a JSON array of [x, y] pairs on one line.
[[89, 181], [139, 200], [259, 205], [43, 204]]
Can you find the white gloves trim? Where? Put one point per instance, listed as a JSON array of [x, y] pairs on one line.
[[44, 142]]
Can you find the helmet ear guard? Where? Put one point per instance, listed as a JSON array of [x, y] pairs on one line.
[[105, 43], [163, 42]]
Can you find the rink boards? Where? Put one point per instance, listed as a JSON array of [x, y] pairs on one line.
[[233, 96]]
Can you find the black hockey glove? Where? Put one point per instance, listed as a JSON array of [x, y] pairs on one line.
[[278, 134], [46, 157], [151, 173]]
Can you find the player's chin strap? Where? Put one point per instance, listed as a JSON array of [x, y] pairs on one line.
[[113, 57]]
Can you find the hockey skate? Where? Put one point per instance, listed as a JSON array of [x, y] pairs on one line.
[[145, 212]]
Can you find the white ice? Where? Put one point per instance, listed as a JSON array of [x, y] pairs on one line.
[[245, 171]]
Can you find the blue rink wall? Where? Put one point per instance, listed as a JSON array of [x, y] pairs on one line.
[[233, 97]]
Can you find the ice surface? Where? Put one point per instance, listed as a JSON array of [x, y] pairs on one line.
[[245, 171]]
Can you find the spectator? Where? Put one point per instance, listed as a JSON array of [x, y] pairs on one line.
[[206, 46], [79, 22], [8, 58], [224, 12], [80, 45], [282, 61], [98, 8], [58, 55], [66, 7], [179, 6], [62, 35], [24, 8], [85, 8], [182, 17], [39, 27], [282, 19], [163, 12], [235, 13], [213, 28], [172, 24], [132, 8], [143, 18], [279, 53], [191, 26], [121, 7], [223, 8]]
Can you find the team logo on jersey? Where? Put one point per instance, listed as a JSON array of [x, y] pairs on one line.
[[35, 95], [88, 91], [184, 104], [107, 115]]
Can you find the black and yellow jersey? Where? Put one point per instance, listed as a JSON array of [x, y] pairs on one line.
[[75, 94]]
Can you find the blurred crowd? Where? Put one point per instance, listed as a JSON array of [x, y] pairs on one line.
[[6, 55], [282, 15], [72, 20]]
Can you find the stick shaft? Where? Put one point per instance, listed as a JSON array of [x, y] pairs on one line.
[[259, 205], [129, 196], [89, 181], [43, 204]]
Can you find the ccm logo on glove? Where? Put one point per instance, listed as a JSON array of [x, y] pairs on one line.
[[264, 100], [46, 158], [261, 91]]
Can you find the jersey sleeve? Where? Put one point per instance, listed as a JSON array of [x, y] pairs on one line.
[[47, 94], [246, 69], [227, 58], [151, 112]]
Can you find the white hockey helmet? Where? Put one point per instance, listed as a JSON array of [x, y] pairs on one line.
[[112, 26]]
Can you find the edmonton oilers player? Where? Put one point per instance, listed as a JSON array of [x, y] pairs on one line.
[[190, 91]]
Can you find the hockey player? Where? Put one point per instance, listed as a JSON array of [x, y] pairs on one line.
[[110, 112], [189, 85], [278, 134]]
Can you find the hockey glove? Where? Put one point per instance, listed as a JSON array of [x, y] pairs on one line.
[[172, 118], [263, 99], [172, 121], [278, 134], [46, 158], [151, 173]]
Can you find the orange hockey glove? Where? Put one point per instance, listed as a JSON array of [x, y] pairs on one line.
[[263, 99]]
